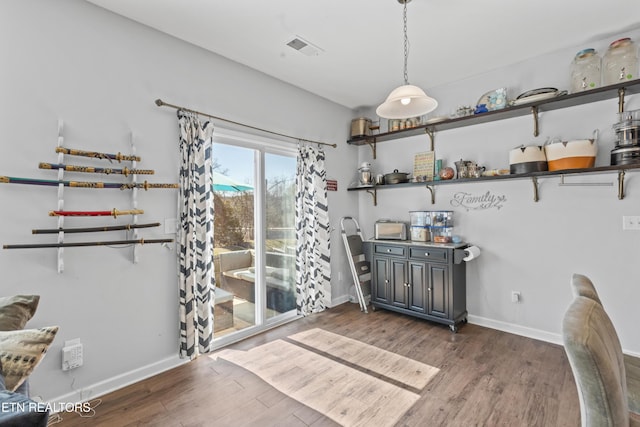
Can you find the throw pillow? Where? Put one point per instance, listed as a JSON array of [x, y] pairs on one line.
[[21, 351], [16, 310]]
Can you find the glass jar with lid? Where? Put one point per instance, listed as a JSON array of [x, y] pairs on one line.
[[620, 62], [585, 71]]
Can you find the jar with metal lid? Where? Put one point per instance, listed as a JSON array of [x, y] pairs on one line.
[[620, 62], [585, 71]]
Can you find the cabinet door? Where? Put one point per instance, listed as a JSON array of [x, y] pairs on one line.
[[438, 290], [417, 286], [381, 280], [399, 283]]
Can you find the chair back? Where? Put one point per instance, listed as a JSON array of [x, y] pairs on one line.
[[597, 363], [582, 286]]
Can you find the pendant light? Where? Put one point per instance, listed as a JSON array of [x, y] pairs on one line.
[[408, 100]]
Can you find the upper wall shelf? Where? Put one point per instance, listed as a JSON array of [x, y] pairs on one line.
[[594, 95]]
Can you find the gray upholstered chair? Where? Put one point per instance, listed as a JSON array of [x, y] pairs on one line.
[[596, 360], [583, 286]]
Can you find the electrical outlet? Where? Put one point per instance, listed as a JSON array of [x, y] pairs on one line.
[[515, 296], [631, 222], [72, 353]]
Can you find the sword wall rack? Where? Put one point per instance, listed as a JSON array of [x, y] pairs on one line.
[[131, 229], [60, 198]]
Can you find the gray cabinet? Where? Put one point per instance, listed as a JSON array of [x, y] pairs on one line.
[[422, 280], [416, 286]]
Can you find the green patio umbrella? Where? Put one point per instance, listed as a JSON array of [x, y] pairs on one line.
[[224, 183]]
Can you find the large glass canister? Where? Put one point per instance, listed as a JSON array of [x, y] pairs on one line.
[[620, 62], [421, 218], [585, 71], [441, 218]]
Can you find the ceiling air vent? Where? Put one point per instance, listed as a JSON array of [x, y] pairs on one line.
[[303, 46]]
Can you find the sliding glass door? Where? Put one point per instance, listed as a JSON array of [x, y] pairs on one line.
[[254, 236], [280, 238]]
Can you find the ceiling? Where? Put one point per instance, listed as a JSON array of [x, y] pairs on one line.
[[362, 40]]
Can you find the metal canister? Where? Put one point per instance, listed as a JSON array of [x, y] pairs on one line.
[[360, 127]]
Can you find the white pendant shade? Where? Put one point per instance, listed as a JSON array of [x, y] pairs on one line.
[[406, 101]]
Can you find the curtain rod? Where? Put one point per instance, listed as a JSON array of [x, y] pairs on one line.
[[161, 103]]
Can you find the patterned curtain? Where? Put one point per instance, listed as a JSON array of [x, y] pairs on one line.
[[313, 287], [195, 236]]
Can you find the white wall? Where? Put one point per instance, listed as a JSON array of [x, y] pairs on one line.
[[100, 74], [529, 247]]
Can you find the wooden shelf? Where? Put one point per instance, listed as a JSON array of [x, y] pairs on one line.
[[600, 94], [599, 169], [620, 169], [594, 95]]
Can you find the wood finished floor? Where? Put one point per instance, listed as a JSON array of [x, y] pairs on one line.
[[486, 378]]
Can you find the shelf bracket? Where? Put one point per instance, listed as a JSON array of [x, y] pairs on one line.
[[534, 180], [431, 134], [583, 184], [621, 184], [534, 112], [433, 194], [372, 144], [621, 92], [374, 194]]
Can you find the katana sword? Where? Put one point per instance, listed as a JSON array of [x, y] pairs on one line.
[[84, 184], [97, 155], [147, 185], [113, 213], [93, 229], [69, 245], [90, 169]]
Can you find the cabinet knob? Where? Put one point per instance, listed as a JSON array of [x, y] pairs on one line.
[[388, 250], [386, 281], [426, 254], [428, 289], [408, 285]]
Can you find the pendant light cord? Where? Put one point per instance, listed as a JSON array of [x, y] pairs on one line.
[[406, 44], [408, 100]]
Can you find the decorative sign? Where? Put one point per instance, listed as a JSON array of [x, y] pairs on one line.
[[470, 201], [423, 166], [332, 185]]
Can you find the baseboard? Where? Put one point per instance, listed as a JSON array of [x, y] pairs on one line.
[[516, 329], [340, 300], [482, 321], [489, 323], [526, 332], [119, 381]]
